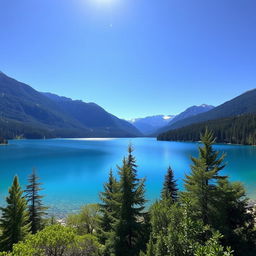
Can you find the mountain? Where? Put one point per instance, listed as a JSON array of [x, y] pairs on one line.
[[243, 104], [232, 122], [189, 112], [150, 124], [240, 129], [27, 112], [93, 116]]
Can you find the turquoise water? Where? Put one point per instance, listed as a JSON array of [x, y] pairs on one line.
[[73, 170]]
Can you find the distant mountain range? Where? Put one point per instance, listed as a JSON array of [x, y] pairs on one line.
[[153, 125], [25, 112], [32, 114], [245, 103], [150, 124], [233, 121], [236, 130], [189, 112]]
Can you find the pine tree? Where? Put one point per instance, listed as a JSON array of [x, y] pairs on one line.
[[170, 187], [150, 247], [204, 175], [232, 217], [14, 220], [108, 208], [160, 246], [131, 161], [129, 226], [35, 205]]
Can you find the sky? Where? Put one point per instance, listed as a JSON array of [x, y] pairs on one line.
[[132, 57]]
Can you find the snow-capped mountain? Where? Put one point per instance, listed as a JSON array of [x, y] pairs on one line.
[[148, 125]]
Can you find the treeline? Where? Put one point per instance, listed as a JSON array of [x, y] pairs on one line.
[[235, 130], [10, 129], [209, 218]]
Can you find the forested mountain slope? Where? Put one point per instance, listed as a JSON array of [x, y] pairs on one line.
[[238, 130], [243, 104], [189, 112], [29, 113]]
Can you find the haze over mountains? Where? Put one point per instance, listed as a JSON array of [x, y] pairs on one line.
[[153, 125], [189, 112], [150, 124], [32, 114]]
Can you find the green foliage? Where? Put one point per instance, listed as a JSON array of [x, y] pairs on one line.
[[213, 248], [86, 221], [57, 240], [35, 205], [128, 225], [217, 202], [124, 207], [108, 211], [170, 190], [159, 217], [201, 183], [14, 220], [232, 217], [237, 130], [176, 233]]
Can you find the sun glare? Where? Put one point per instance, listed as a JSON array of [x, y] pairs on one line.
[[108, 5], [103, 1]]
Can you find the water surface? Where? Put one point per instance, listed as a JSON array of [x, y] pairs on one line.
[[73, 170]]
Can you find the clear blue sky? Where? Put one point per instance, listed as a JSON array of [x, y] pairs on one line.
[[132, 57]]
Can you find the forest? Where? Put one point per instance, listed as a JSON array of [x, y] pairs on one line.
[[209, 217], [236, 130]]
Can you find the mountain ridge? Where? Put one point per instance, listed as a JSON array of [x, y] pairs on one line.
[[33, 114], [242, 104], [188, 112], [150, 124], [234, 121]]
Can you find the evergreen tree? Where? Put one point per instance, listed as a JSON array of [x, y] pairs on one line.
[[131, 161], [35, 205], [204, 175], [108, 208], [160, 247], [14, 220], [170, 189], [176, 233], [232, 217], [150, 247], [130, 224]]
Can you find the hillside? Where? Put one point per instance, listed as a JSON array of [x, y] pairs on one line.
[[243, 104], [189, 112], [93, 116], [27, 112], [238, 130]]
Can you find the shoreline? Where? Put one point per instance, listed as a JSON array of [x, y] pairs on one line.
[[113, 138], [217, 143]]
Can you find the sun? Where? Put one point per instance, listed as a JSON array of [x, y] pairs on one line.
[[101, 6], [104, 1]]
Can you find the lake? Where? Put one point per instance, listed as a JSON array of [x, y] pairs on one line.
[[73, 170]]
